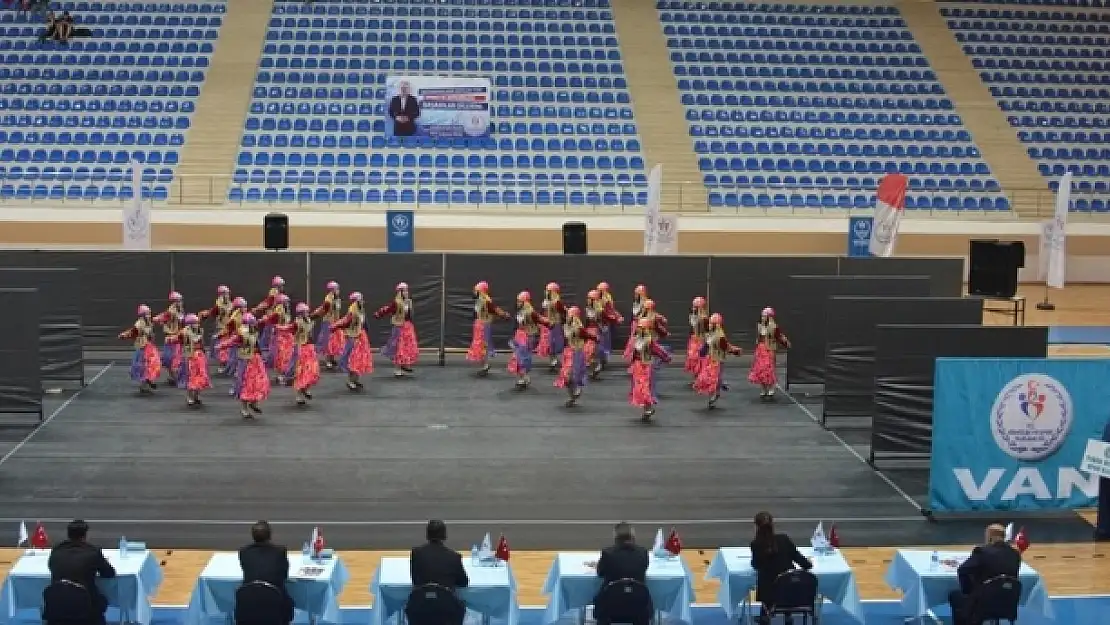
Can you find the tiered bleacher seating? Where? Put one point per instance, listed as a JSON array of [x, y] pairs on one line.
[[1050, 72], [563, 128], [809, 105], [72, 116]]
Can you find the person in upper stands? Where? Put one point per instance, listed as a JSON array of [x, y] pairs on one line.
[[78, 561], [64, 27], [404, 109], [262, 560], [996, 557], [51, 30], [772, 555], [435, 563], [624, 559]]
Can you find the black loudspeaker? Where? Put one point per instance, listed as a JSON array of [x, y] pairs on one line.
[[275, 231], [994, 267], [574, 238]]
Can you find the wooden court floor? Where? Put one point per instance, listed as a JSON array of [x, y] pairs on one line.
[[1068, 569]]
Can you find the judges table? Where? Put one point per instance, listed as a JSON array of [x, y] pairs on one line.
[[835, 579], [925, 587], [137, 579], [313, 585], [573, 583], [491, 593]]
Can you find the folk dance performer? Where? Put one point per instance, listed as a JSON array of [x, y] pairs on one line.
[[280, 353], [146, 364], [699, 329], [600, 319], [329, 344], [402, 348], [170, 320], [252, 385], [221, 310], [528, 323], [234, 324], [356, 358], [481, 336], [657, 325], [769, 339], [646, 351], [710, 380], [193, 376], [605, 328], [639, 296], [263, 308], [304, 367], [575, 366], [551, 339]]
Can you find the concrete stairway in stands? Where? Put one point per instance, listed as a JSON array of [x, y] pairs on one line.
[[657, 105], [212, 144], [997, 140]]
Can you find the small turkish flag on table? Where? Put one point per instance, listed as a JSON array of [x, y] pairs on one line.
[[674, 543], [39, 539], [502, 552]]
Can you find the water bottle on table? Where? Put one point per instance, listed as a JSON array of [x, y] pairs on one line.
[[934, 561], [122, 547], [474, 557]]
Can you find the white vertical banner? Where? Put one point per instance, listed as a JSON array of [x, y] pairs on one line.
[[653, 210], [136, 214], [890, 203], [1045, 251], [1057, 252], [666, 235]]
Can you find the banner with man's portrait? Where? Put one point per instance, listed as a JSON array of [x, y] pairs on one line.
[[437, 106]]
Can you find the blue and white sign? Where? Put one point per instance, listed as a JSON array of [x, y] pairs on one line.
[[859, 236], [399, 232], [1010, 434]]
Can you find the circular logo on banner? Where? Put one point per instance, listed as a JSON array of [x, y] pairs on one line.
[[400, 224], [1031, 417], [862, 230], [474, 125], [884, 230]]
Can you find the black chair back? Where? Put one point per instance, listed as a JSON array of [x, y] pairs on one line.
[[623, 602], [68, 603], [434, 604], [794, 592], [997, 600], [262, 603]]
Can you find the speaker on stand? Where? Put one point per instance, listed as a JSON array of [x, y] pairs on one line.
[[275, 231], [574, 238], [994, 268]]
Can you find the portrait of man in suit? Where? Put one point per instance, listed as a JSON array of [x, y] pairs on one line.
[[404, 109]]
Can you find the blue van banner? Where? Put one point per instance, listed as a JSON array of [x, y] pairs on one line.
[[1009, 434]]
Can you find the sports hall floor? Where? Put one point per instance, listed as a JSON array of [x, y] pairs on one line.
[[370, 469]]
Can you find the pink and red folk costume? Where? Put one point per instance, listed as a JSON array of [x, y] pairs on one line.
[[574, 371], [356, 359], [699, 328], [525, 339], [769, 338], [645, 353], [402, 348], [146, 364], [481, 337], [710, 380], [252, 385]]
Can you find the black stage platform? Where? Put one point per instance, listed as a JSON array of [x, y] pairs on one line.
[[371, 468]]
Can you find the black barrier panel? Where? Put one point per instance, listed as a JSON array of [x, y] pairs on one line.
[[113, 284], [61, 352], [507, 275], [850, 342], [672, 283], [20, 380], [376, 275], [56, 285], [740, 287], [248, 274], [905, 361], [946, 275], [803, 315]]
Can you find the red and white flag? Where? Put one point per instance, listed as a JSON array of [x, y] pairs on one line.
[[890, 203]]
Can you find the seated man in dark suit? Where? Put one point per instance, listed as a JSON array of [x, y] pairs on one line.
[[263, 561], [77, 561], [996, 557], [435, 563], [624, 559]]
